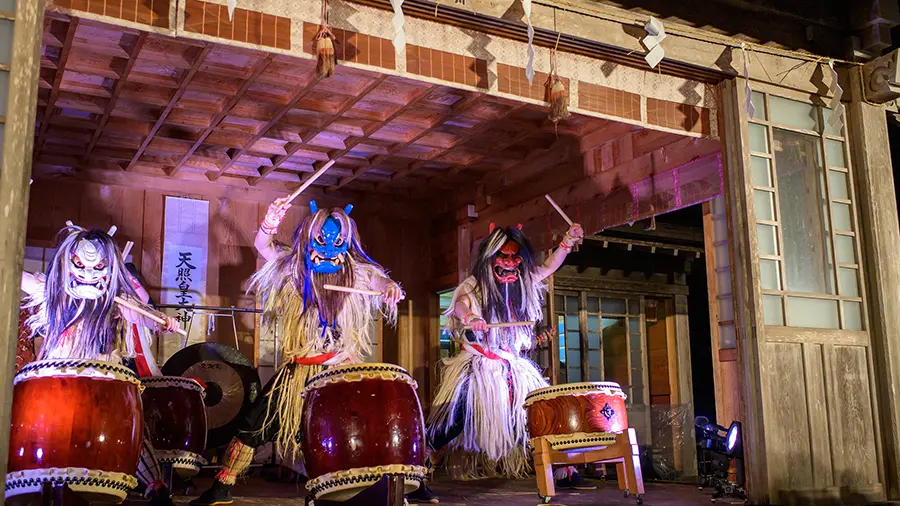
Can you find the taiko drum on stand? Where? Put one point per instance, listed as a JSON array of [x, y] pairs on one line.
[[77, 422], [582, 423], [576, 415], [176, 421], [362, 422]]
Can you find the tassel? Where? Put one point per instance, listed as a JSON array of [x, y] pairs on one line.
[[326, 59], [556, 94], [558, 98]]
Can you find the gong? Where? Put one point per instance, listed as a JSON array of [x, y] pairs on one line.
[[232, 386]]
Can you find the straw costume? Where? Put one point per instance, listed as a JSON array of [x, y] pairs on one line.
[[320, 327], [477, 413]]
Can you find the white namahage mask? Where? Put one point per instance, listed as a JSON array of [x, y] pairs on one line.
[[88, 271]]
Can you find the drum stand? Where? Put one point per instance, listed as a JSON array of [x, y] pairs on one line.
[[59, 494], [389, 491], [623, 453]]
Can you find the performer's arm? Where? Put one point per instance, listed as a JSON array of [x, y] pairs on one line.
[[556, 259], [265, 237], [139, 289], [30, 284], [463, 311], [392, 291]]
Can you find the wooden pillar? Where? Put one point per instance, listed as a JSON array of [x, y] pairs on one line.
[[881, 242], [18, 140], [685, 389], [406, 332], [748, 320]]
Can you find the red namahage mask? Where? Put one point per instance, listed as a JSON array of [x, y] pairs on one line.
[[506, 263]]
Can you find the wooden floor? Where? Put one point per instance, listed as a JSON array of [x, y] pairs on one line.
[[257, 491]]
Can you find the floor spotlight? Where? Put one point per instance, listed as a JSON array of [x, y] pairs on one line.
[[734, 441]]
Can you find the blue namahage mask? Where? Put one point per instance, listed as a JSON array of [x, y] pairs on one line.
[[328, 247]]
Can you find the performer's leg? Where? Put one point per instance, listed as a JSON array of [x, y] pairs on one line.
[[437, 439], [150, 476], [239, 453], [567, 478], [440, 438]]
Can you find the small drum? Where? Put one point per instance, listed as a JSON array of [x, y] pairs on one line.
[[176, 421], [77, 422], [577, 415], [361, 422]]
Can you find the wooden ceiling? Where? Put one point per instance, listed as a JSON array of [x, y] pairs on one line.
[[117, 99]]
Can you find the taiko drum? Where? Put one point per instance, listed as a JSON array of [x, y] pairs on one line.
[[577, 415], [362, 422], [77, 422], [176, 421]]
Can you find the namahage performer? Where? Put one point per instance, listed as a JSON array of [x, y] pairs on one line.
[[73, 310], [477, 412], [320, 327]]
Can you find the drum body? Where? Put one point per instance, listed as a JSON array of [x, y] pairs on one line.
[[577, 415], [78, 422], [361, 422], [176, 421]]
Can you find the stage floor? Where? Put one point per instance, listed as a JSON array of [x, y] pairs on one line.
[[257, 491]]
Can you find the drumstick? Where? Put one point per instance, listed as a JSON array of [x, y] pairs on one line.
[[127, 250], [504, 325], [145, 312], [310, 181], [347, 289], [559, 210]]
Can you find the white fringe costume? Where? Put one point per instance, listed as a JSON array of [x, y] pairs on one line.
[[492, 380]]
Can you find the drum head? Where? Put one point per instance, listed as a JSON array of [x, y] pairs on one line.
[[232, 385]]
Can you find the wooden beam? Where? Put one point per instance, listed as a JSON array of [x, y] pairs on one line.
[[510, 142], [348, 145], [420, 163], [117, 90], [295, 98], [261, 65], [481, 127], [182, 88], [689, 250], [397, 147], [57, 79]]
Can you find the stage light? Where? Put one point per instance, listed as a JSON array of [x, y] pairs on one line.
[[734, 444]]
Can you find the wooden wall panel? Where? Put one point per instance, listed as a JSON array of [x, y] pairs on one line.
[[817, 404], [233, 259], [788, 438], [819, 422], [853, 413]]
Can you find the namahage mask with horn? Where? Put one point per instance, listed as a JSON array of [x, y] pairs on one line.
[[89, 270]]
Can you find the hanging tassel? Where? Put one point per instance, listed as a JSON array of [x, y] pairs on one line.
[[556, 94], [558, 97], [326, 58], [325, 55]]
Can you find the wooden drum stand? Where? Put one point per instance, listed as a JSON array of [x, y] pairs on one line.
[[583, 423], [623, 453]]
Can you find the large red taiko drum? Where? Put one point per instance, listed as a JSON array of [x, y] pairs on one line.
[[577, 415], [362, 422], [77, 422], [176, 421]]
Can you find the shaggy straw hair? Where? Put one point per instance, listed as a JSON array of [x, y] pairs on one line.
[[96, 322], [496, 303], [314, 320]]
